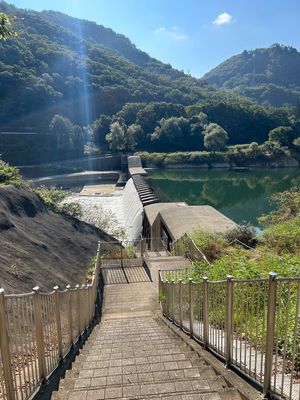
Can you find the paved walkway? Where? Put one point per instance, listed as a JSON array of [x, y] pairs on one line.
[[132, 354]]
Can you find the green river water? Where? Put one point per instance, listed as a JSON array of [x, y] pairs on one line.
[[240, 195]]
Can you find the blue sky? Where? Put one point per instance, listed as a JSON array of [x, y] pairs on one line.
[[192, 35]]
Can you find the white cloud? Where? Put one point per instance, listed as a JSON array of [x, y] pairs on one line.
[[173, 33], [222, 19]]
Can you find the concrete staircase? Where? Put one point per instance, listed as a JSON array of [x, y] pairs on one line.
[[140, 358], [134, 354]]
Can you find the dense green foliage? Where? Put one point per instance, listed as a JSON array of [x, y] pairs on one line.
[[268, 75], [6, 30], [9, 175], [76, 68], [62, 77], [267, 154], [174, 127]]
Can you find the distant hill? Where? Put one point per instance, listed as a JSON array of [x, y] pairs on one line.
[[80, 70], [60, 64], [270, 76]]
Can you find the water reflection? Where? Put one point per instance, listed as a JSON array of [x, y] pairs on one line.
[[242, 196]]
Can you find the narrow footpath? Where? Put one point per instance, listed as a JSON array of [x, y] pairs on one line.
[[132, 354]]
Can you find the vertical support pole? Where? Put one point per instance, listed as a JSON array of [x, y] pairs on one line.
[[142, 250], [90, 300], [191, 308], [58, 322], [78, 304], [159, 285], [173, 301], [5, 350], [37, 304], [167, 299], [229, 320], [270, 332], [180, 303], [121, 255], [205, 313], [83, 307], [70, 315]]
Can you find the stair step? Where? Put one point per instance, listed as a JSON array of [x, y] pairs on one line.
[[140, 358]]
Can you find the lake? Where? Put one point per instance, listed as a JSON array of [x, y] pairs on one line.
[[240, 195]]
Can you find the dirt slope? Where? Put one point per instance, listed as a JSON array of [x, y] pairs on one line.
[[40, 247]]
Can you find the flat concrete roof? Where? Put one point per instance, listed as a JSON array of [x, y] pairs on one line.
[[136, 171], [181, 220], [152, 210]]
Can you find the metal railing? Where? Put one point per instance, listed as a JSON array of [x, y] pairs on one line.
[[253, 325], [185, 246], [37, 330], [122, 254]]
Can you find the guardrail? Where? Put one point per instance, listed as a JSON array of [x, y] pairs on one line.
[[185, 246], [252, 325], [37, 330]]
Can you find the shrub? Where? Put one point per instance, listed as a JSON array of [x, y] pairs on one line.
[[211, 244], [10, 175], [284, 237], [243, 234]]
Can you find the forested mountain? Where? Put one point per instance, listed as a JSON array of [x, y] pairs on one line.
[[59, 64], [73, 81], [270, 76]]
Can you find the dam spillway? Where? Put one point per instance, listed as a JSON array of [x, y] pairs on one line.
[[136, 195]]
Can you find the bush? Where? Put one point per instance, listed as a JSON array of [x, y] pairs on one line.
[[211, 244], [284, 237], [53, 199], [243, 234], [10, 175]]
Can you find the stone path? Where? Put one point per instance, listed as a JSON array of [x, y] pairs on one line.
[[140, 358], [132, 354]]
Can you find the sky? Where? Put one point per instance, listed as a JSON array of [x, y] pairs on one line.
[[191, 35]]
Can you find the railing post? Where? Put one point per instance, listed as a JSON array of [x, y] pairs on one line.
[[142, 250], [58, 322], [229, 320], [191, 310], [159, 284], [5, 350], [78, 304], [167, 299], [270, 333], [173, 301], [205, 313], [37, 304], [70, 315], [180, 303]]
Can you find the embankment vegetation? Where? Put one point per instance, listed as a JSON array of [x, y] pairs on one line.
[[247, 255]]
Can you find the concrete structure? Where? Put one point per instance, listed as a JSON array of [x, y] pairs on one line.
[[164, 223], [135, 166]]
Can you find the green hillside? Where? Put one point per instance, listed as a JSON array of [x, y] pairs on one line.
[[61, 74], [59, 64], [270, 76]]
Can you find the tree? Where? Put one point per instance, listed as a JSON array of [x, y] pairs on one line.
[[100, 128], [282, 134], [215, 137], [132, 134], [116, 136], [6, 30], [69, 138]]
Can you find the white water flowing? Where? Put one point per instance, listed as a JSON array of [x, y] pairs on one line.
[[133, 211]]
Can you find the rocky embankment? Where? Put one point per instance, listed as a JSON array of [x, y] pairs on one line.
[[40, 247]]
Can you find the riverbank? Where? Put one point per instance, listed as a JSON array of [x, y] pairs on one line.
[[237, 157]]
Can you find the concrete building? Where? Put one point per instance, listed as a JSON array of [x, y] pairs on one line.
[[164, 223]]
